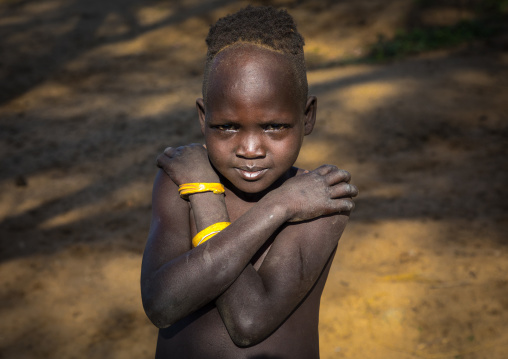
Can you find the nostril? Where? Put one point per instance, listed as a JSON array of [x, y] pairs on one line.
[[250, 149], [250, 156]]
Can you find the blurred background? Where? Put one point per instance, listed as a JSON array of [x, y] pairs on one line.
[[413, 101]]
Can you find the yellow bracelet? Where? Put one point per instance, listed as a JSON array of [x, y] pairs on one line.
[[189, 188], [208, 233]]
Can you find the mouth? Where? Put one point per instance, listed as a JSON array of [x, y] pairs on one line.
[[251, 173]]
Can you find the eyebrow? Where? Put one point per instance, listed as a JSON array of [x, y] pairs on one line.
[[264, 120]]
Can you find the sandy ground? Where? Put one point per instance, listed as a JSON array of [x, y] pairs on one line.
[[91, 91]]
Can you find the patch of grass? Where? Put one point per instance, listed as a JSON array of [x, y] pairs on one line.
[[491, 19], [479, 6], [494, 6], [426, 39]]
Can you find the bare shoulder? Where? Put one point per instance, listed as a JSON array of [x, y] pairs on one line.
[[321, 234]]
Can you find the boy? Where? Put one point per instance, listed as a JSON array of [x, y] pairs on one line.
[[251, 288]]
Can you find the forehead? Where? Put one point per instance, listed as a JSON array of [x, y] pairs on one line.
[[253, 71]]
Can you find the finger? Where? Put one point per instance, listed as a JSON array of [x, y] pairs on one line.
[[169, 151], [343, 189], [338, 176], [162, 160], [324, 169], [344, 205]]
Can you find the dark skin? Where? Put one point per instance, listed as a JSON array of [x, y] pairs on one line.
[[253, 290]]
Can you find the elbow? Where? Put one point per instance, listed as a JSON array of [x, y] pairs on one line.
[[245, 341], [247, 332], [157, 320], [156, 314], [159, 311], [157, 302]]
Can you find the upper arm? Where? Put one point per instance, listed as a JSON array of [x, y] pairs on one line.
[[258, 303], [169, 234], [299, 255]]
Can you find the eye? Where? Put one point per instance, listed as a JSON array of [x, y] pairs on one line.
[[276, 127], [225, 128]]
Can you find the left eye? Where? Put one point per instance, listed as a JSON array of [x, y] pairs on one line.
[[276, 127]]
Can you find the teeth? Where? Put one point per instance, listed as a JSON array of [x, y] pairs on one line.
[[252, 174]]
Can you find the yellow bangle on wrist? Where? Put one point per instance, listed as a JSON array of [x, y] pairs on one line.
[[208, 233], [189, 188]]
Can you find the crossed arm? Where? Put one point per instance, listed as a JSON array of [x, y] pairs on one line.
[[178, 280], [285, 277]]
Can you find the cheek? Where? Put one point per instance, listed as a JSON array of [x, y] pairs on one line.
[[217, 152], [286, 152]]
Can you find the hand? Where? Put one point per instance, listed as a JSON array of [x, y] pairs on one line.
[[326, 190], [187, 164]]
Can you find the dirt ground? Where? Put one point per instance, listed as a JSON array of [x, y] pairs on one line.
[[91, 91]]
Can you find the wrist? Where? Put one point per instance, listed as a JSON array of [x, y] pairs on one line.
[[277, 207], [187, 189]]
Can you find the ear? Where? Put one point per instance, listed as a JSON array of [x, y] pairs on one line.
[[200, 106], [310, 114]]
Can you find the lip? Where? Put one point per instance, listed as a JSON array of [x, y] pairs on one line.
[[251, 173]]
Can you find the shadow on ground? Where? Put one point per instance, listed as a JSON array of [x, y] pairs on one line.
[[90, 93]]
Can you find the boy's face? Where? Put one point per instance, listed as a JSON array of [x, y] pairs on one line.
[[254, 119]]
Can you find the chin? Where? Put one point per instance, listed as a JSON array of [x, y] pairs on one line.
[[236, 184], [253, 188], [260, 186]]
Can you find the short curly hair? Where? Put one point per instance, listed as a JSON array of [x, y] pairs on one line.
[[264, 26]]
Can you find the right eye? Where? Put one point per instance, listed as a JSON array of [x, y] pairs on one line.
[[225, 128]]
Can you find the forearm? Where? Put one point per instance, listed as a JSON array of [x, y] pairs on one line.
[[239, 317], [197, 277], [259, 301], [208, 208], [252, 311], [248, 286]]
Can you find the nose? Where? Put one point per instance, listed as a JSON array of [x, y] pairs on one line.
[[250, 146]]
